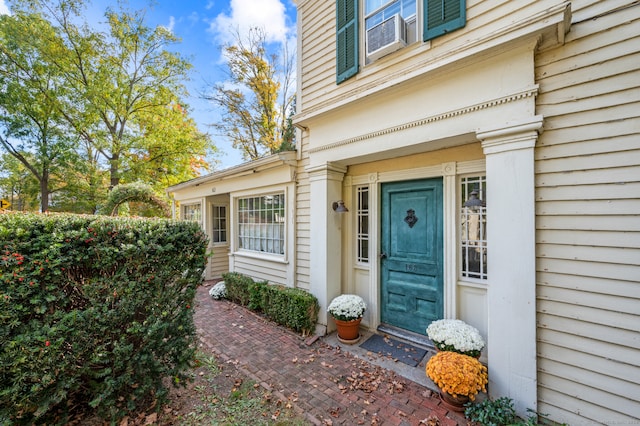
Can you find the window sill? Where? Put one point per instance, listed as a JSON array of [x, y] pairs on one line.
[[474, 284], [362, 266], [262, 256]]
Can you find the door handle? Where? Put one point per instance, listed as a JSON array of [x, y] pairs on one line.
[[382, 255]]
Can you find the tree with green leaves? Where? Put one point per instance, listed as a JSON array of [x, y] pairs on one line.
[[256, 100], [32, 128], [17, 184], [117, 97], [124, 78]]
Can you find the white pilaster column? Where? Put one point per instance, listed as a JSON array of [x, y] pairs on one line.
[[326, 238], [512, 261]]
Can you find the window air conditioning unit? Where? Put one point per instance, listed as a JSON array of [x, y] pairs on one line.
[[386, 37]]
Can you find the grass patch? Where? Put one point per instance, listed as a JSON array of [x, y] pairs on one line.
[[219, 395]]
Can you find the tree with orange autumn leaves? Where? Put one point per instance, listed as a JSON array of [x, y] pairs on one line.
[[257, 100]]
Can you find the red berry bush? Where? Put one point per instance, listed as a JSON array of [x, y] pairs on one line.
[[94, 313]]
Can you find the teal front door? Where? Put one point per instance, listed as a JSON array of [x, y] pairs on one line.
[[411, 254]]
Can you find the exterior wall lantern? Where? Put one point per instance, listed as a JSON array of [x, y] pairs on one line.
[[339, 207], [474, 203]]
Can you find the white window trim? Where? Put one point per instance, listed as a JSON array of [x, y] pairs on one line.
[[183, 206], [289, 233], [362, 48], [357, 190], [213, 229], [481, 282]]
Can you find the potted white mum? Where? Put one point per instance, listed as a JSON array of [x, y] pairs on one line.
[[454, 335], [347, 311]]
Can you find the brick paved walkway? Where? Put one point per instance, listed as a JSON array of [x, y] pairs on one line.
[[325, 384]]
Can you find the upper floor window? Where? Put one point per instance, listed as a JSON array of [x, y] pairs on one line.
[[389, 25], [261, 222], [192, 212], [473, 222]]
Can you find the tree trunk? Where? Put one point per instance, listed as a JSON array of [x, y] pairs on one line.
[[44, 191], [114, 171]]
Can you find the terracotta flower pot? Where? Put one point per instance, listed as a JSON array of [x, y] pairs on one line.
[[453, 403], [348, 331]]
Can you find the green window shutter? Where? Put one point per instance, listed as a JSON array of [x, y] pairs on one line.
[[443, 16], [346, 39]]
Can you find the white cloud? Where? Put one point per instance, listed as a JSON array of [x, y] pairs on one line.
[[245, 14], [4, 10], [172, 23]]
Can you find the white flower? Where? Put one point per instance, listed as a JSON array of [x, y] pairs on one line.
[[218, 291], [347, 307], [455, 335]]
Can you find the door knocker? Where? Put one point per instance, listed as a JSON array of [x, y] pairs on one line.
[[411, 218]]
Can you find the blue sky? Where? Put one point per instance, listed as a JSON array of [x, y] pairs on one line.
[[203, 26]]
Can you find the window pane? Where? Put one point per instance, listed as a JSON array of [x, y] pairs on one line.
[[219, 224], [375, 15], [362, 236], [261, 223], [192, 212], [371, 5], [473, 228]]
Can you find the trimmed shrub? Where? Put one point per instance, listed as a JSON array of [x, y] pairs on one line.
[[94, 313], [256, 295], [237, 287], [291, 307]]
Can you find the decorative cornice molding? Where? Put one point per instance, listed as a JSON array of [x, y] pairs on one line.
[[326, 171], [531, 91], [520, 135]]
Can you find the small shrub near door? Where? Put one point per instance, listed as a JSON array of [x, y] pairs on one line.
[[291, 307], [94, 313]]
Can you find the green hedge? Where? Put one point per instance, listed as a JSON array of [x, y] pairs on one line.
[[95, 312], [291, 307]]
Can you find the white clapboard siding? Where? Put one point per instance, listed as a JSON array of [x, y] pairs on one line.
[[626, 391], [596, 364], [566, 97], [592, 162], [318, 35], [614, 190], [303, 227], [560, 405], [261, 269], [551, 338], [587, 165], [600, 320], [590, 269], [620, 175], [588, 147], [588, 401], [618, 304], [622, 223], [589, 132], [593, 238], [589, 207], [590, 285], [610, 255], [219, 262]]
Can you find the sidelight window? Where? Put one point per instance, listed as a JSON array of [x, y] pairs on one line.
[[473, 232]]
